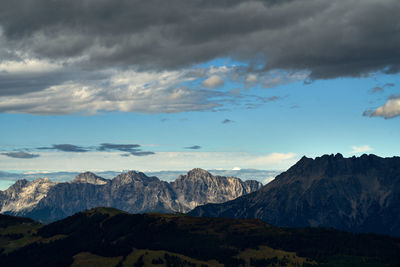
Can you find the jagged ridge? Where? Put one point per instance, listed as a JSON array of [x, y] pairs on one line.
[[354, 194], [132, 191]]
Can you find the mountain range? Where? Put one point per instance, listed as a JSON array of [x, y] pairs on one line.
[[135, 192], [358, 194]]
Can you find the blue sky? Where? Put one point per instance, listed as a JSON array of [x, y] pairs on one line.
[[307, 119], [237, 93]]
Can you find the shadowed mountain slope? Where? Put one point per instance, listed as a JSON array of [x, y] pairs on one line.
[[360, 194]]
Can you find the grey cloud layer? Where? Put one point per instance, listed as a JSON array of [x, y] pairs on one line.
[[130, 149], [227, 121], [20, 155], [66, 57], [329, 38], [65, 148], [193, 147]]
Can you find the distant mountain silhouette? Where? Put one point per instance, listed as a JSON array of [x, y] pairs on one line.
[[359, 194]]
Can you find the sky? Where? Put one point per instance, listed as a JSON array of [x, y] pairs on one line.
[[111, 85]]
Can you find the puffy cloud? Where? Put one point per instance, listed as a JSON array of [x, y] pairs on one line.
[[389, 110], [213, 81], [251, 78]]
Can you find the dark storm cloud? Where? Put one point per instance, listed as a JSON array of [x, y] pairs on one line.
[[131, 149], [328, 38], [65, 148], [193, 147], [20, 155]]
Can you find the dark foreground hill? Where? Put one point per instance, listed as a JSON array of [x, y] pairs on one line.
[[352, 194], [109, 237]]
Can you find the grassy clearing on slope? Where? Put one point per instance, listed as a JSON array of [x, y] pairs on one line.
[[86, 259], [164, 258], [17, 236], [274, 257]]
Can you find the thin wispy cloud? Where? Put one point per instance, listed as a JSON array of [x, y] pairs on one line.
[[120, 147], [226, 121], [380, 89], [193, 147], [131, 149], [65, 148], [360, 149], [20, 155]]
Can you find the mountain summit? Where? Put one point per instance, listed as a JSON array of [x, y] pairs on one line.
[[360, 194], [132, 191]]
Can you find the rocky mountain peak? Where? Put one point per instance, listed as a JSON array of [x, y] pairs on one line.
[[360, 194], [18, 185], [24, 194], [90, 178], [130, 191], [198, 173], [133, 176]]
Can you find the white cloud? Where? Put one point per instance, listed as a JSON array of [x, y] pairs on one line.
[[268, 179], [213, 81], [44, 87], [28, 66], [360, 149], [251, 78], [391, 109], [97, 160], [148, 92], [272, 159]]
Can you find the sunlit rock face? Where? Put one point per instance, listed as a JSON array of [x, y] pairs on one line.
[[132, 191]]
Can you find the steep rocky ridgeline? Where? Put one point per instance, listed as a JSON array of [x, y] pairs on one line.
[[360, 194], [132, 191], [198, 187]]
